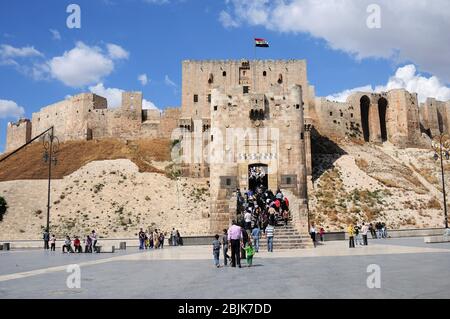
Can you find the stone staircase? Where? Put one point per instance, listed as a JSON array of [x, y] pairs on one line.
[[286, 237]]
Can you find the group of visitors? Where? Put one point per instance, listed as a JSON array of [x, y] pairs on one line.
[[378, 231], [262, 207], [90, 244], [155, 239], [357, 234], [256, 174], [316, 236], [242, 242]]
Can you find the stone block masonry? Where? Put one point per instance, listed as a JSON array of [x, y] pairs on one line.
[[86, 116]]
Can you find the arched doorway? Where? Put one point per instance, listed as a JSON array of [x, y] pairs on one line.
[[382, 108], [257, 176], [364, 105]]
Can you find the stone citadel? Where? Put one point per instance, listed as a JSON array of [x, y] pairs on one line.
[[240, 114]]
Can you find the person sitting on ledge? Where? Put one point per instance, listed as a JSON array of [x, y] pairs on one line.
[[67, 245], [77, 245]]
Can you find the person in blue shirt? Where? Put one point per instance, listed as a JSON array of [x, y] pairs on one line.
[[256, 233]]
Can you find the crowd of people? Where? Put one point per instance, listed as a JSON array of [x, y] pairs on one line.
[[258, 212], [72, 246], [358, 233], [262, 207], [155, 239]]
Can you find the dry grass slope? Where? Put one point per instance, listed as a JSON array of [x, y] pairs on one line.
[[28, 163]]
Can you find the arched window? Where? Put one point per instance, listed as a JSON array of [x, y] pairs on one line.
[[211, 78], [224, 73], [264, 73]]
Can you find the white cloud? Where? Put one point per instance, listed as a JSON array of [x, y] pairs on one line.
[[342, 96], [169, 82], [411, 30], [148, 105], [81, 66], [9, 52], [143, 79], [227, 21], [55, 34], [405, 77], [116, 52], [157, 1], [114, 96], [10, 109]]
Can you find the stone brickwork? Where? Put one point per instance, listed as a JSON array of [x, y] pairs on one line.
[[435, 117], [240, 113], [393, 116], [236, 114], [17, 134], [86, 116]]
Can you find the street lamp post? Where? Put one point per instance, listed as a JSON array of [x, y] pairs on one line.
[[51, 148], [442, 150]]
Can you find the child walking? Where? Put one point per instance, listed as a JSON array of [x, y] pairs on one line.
[[216, 250], [249, 252], [53, 243]]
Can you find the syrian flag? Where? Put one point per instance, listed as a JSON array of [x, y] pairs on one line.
[[261, 43]]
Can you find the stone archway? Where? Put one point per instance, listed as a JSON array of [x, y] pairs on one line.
[[364, 107], [382, 109]]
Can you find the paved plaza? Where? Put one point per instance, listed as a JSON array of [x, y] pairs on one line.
[[408, 269]]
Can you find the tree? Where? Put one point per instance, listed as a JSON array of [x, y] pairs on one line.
[[3, 207]]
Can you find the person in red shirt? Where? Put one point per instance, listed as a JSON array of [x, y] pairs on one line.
[[77, 245]]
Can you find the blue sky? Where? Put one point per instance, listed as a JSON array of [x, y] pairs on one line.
[[154, 36]]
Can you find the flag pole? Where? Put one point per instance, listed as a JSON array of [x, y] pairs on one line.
[[254, 48]]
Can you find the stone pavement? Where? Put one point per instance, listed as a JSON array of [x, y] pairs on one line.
[[409, 269]]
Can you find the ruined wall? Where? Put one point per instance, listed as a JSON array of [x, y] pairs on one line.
[[372, 117], [429, 117], [17, 134], [404, 119], [169, 121], [336, 119], [86, 116], [435, 117], [125, 121], [69, 117]]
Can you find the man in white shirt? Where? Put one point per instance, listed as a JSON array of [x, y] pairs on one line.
[[248, 219], [364, 231]]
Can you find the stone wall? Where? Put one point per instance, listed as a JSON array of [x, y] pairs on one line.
[[336, 119], [435, 117], [392, 116], [17, 134], [200, 77], [86, 116]]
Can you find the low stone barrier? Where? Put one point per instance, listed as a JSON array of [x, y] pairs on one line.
[[207, 240], [106, 249], [436, 239]]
